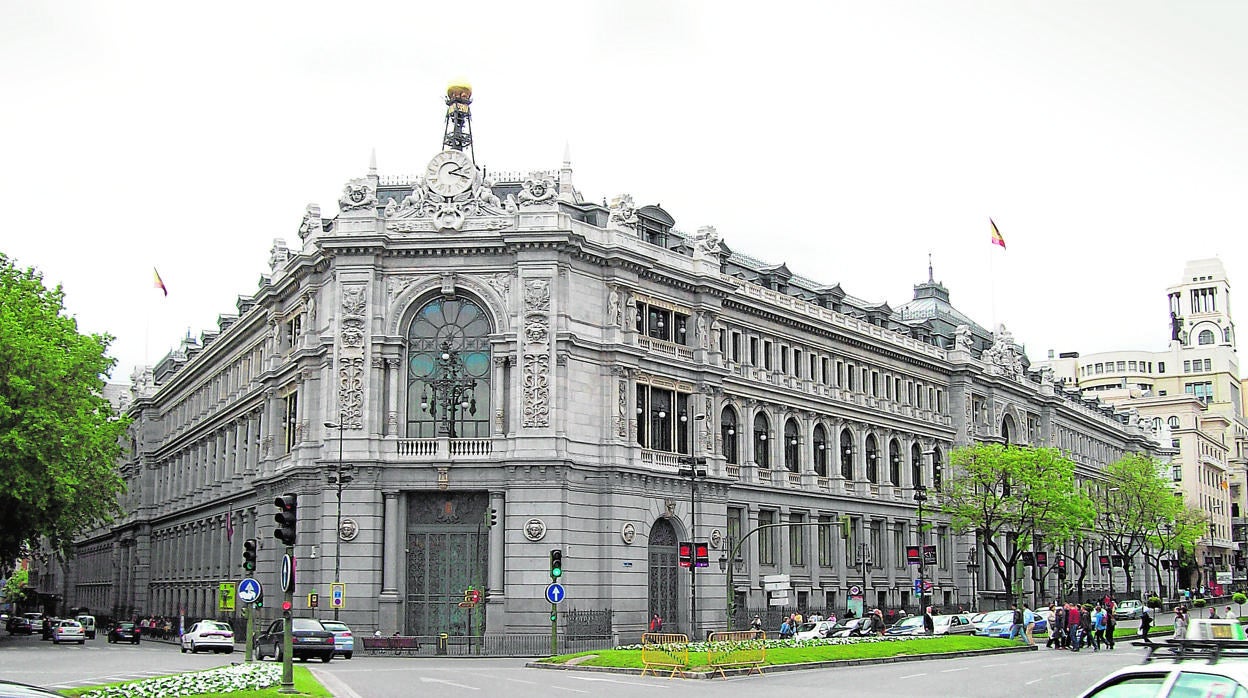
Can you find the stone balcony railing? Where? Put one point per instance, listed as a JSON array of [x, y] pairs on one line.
[[441, 448]]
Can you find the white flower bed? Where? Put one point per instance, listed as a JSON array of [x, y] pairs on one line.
[[237, 677]]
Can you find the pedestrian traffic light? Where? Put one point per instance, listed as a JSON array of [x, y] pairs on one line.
[[493, 516], [285, 518], [701, 554], [686, 554], [314, 600], [472, 596], [556, 564], [249, 554]]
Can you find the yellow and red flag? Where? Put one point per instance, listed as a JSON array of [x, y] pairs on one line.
[[159, 283], [996, 235]]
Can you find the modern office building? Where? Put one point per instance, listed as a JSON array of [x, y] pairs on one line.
[[1193, 390], [459, 350]]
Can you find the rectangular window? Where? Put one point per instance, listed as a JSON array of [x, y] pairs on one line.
[[849, 372], [946, 554], [735, 515], [865, 378], [875, 384], [840, 374], [899, 548], [766, 540], [1122, 365], [1100, 368], [797, 363], [1130, 365], [823, 370], [767, 355], [797, 536], [1208, 366], [290, 421], [1161, 366], [736, 347], [851, 543], [784, 359], [1187, 366], [877, 544], [753, 351], [825, 541]]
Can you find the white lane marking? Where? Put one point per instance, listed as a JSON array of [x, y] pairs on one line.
[[426, 679], [911, 676], [949, 671], [531, 683], [1033, 681], [1064, 673], [574, 690], [627, 683]]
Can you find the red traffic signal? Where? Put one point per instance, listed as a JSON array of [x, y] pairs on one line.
[[286, 605], [286, 518], [686, 554], [701, 554]]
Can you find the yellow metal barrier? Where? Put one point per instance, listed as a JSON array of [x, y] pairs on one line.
[[748, 648], [666, 650]]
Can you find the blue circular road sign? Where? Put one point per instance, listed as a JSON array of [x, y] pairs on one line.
[[249, 590], [554, 593]]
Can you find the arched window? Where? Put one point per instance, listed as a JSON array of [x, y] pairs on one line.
[[790, 446], [936, 468], [448, 370], [894, 462], [1172, 422], [873, 460], [916, 465], [1205, 337], [847, 455], [1007, 429], [728, 434], [1226, 335], [761, 427], [820, 451]]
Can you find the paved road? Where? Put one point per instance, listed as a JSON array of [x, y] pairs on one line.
[[1046, 672]]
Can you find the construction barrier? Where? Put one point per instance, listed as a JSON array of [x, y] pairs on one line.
[[666, 651], [744, 648]]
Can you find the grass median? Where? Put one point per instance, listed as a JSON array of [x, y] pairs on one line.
[[802, 652], [256, 680]]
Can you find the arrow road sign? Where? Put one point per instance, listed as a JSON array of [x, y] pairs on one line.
[[554, 593], [249, 590], [288, 574]]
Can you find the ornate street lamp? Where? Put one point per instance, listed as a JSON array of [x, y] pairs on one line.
[[449, 391], [920, 496], [341, 476]]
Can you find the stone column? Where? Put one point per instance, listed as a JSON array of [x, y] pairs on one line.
[[393, 555], [395, 392]]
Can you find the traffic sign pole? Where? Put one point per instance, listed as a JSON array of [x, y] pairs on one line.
[[288, 602]]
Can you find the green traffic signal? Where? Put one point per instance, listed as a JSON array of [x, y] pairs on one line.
[[553, 617], [556, 564]]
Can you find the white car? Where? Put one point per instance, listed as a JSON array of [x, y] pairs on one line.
[[208, 635], [812, 631], [344, 643], [68, 631]]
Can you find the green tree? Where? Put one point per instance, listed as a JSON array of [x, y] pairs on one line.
[[59, 437], [1012, 498], [1177, 533], [1133, 500], [15, 589]]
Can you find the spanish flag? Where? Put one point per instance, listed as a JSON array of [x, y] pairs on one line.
[[160, 284], [996, 235]]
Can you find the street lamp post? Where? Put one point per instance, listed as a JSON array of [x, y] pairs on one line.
[[696, 469], [339, 478], [920, 496], [449, 391], [1108, 547], [972, 567]]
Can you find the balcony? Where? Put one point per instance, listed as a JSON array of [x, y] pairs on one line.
[[665, 348], [442, 448]]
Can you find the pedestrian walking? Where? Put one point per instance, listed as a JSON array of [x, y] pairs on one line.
[[1029, 625], [1111, 625], [1146, 624], [1098, 628], [656, 624], [1180, 623], [929, 623], [1016, 622], [1072, 627], [1057, 626]]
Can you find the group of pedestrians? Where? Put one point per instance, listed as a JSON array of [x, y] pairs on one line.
[[1074, 627]]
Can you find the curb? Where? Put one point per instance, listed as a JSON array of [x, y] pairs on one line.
[[773, 668]]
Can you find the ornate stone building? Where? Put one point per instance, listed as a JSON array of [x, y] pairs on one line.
[[475, 346]]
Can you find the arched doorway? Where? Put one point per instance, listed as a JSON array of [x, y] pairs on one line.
[[664, 576]]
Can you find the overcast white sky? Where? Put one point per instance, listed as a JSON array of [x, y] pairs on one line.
[[1109, 140]]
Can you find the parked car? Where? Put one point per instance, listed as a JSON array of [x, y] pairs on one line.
[[344, 643], [813, 631], [854, 627], [124, 632], [19, 625], [208, 635], [68, 631], [88, 625], [308, 639], [912, 625], [1130, 609]]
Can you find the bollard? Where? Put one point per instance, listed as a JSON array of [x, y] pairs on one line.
[[442, 642]]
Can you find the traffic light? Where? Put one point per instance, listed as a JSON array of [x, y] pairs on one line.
[[686, 554], [556, 564], [285, 518], [314, 600], [1029, 558], [472, 596], [249, 554], [259, 603], [701, 554], [493, 516], [1061, 568]]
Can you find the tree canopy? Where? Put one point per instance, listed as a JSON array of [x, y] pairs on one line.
[[1135, 504], [1010, 496], [59, 437]]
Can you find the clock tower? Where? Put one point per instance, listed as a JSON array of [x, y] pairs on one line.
[[458, 133]]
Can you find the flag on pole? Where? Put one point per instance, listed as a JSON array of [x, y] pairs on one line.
[[996, 235], [229, 525], [159, 283]]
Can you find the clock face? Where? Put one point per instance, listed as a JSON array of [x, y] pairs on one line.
[[450, 173]]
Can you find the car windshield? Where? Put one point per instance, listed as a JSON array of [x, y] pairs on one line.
[[334, 626], [213, 625], [911, 622], [805, 627], [125, 626], [998, 617], [306, 624], [69, 624], [1131, 603]]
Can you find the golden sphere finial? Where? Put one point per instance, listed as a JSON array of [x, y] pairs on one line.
[[459, 90]]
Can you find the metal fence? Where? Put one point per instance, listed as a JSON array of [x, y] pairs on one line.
[[487, 645]]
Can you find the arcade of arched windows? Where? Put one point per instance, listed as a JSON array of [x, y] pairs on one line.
[[828, 447]]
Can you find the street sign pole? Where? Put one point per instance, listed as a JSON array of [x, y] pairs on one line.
[[248, 613], [288, 603], [554, 629]]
